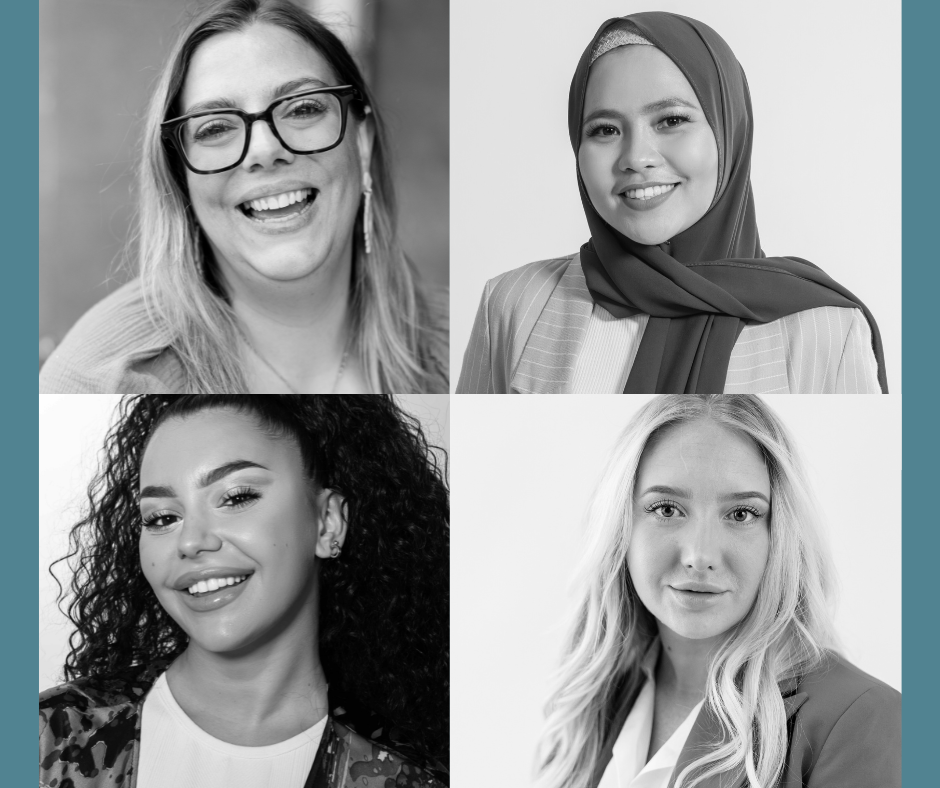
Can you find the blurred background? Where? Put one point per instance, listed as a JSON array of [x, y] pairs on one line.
[[97, 62]]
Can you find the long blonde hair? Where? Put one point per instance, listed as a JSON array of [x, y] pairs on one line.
[[397, 334], [784, 635]]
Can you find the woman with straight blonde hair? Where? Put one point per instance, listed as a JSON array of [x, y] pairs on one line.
[[267, 248], [701, 651]]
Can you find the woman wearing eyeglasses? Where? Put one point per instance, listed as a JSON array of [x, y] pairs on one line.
[[268, 255]]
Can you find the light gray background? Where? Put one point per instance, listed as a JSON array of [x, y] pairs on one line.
[[523, 470], [825, 80], [71, 434]]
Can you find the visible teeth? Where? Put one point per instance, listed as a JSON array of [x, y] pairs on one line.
[[649, 191], [279, 200], [214, 584]]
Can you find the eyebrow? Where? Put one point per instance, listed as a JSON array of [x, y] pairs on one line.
[[284, 89], [649, 109], [209, 477], [682, 493]]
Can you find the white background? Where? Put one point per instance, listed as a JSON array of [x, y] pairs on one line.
[[72, 428], [523, 470], [825, 81]]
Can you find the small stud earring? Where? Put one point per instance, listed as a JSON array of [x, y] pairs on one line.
[[367, 211], [335, 549]]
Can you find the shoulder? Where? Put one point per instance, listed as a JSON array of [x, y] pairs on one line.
[[115, 347], [837, 687], [95, 692], [829, 324], [521, 287], [371, 758], [92, 721]]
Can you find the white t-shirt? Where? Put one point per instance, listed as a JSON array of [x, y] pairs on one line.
[[174, 751], [628, 767]]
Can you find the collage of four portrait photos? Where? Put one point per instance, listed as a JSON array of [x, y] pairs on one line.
[[286, 252]]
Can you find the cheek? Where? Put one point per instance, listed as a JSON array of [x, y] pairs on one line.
[[750, 560], [697, 158], [595, 170], [648, 558], [205, 194]]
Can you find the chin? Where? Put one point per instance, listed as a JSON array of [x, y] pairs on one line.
[[286, 267]]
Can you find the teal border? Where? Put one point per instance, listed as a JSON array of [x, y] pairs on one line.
[[921, 377], [921, 373], [19, 314]]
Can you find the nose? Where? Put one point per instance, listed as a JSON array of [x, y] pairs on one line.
[[197, 536], [264, 149], [639, 151], [700, 549]]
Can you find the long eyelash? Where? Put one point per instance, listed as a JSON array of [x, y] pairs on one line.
[[592, 130], [150, 519], [246, 493], [659, 504], [677, 116], [746, 508]]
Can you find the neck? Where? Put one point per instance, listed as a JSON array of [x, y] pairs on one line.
[[683, 663], [299, 328], [260, 694]]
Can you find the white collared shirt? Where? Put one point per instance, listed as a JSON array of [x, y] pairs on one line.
[[628, 767]]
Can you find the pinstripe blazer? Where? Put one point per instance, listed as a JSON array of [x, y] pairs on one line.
[[532, 323]]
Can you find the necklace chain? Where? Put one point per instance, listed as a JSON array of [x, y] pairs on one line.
[[290, 388]]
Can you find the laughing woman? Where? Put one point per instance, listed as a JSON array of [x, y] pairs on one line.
[[268, 255], [260, 599], [673, 292], [702, 648]]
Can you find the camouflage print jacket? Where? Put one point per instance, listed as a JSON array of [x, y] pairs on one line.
[[89, 737]]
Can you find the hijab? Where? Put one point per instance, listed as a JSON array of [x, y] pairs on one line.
[[702, 286]]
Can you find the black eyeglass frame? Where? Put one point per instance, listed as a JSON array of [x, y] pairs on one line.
[[170, 129]]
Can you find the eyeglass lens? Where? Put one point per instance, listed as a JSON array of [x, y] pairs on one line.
[[307, 123]]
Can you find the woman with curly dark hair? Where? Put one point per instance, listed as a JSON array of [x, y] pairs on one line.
[[238, 553]]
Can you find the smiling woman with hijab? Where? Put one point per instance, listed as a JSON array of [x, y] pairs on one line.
[[267, 247], [673, 292], [260, 597], [702, 650]]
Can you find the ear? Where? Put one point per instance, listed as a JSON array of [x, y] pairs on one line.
[[365, 137], [331, 524]]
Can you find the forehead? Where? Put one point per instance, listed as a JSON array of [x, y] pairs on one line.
[[630, 77], [704, 456], [251, 63], [182, 447]]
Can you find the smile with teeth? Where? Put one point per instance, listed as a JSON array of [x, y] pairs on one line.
[[214, 584], [278, 206], [649, 191]]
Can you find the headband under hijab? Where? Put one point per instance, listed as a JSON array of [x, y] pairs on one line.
[[701, 287]]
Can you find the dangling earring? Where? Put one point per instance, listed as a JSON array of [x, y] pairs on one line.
[[367, 211]]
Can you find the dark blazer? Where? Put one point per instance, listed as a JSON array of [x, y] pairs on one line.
[[843, 726], [89, 737]]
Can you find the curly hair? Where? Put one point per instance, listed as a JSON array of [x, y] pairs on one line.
[[384, 603]]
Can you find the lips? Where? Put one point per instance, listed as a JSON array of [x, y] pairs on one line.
[[279, 206], [696, 600], [213, 600]]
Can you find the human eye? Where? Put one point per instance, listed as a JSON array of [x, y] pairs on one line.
[[745, 515], [213, 131], [306, 108], [602, 130], [239, 498], [664, 509], [157, 522], [674, 121]]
